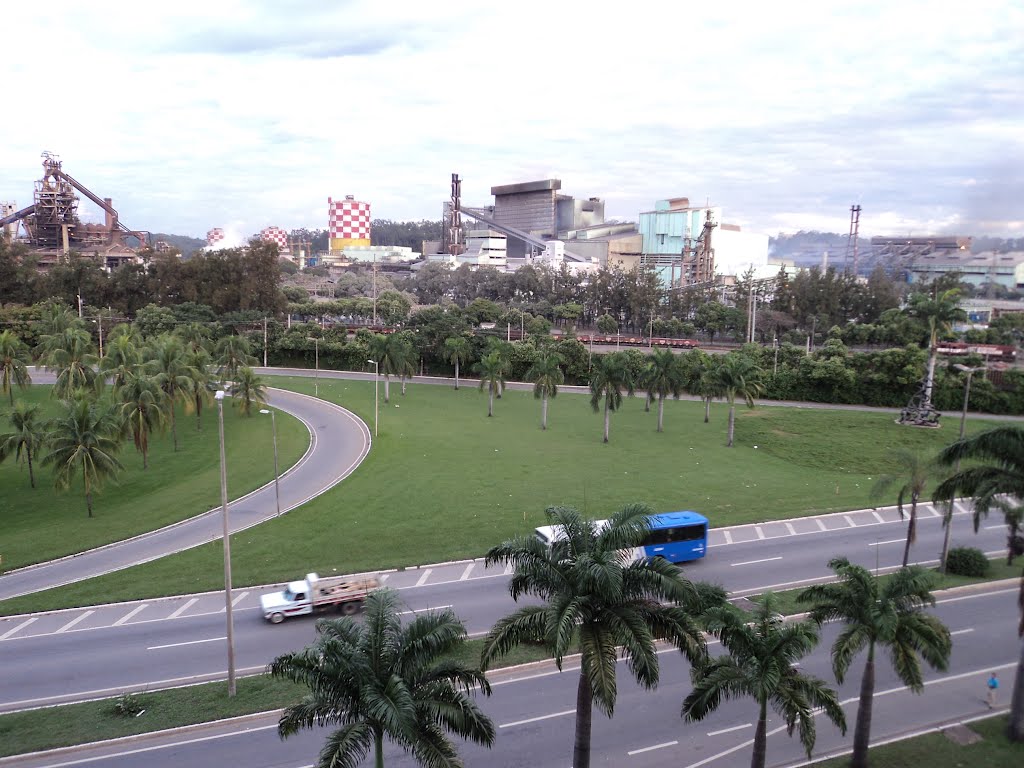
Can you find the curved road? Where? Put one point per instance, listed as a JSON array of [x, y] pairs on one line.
[[339, 441]]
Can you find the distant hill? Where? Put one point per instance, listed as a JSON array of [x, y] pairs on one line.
[[187, 245]]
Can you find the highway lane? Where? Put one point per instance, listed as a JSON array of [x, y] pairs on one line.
[[339, 441], [88, 652], [534, 711]]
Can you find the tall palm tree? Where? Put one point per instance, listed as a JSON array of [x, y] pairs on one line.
[[70, 355], [912, 474], [406, 356], [14, 360], [392, 358], [230, 354], [596, 601], [249, 388], [663, 377], [457, 351], [143, 409], [738, 376], [1015, 730], [123, 357], [546, 374], [492, 369], [194, 336], [27, 439], [198, 362], [876, 613], [938, 313], [763, 650], [171, 373], [84, 437], [378, 679], [608, 378]]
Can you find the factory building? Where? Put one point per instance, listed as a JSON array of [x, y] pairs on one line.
[[279, 237], [214, 236], [348, 223], [978, 269]]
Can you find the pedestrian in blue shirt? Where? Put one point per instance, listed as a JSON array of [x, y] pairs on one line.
[[993, 687]]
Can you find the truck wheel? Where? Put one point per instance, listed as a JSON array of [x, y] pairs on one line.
[[276, 618], [350, 608]]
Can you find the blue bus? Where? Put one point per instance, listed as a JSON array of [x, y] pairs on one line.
[[676, 536]]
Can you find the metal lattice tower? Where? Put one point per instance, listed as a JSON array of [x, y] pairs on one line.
[[851, 241], [453, 219]]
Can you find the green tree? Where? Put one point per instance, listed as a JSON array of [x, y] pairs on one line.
[[457, 352], [912, 474], [27, 438], [171, 373], [597, 603], [378, 679], [198, 362], [546, 374], [248, 389], [70, 356], [938, 311], [392, 354], [662, 377], [231, 353], [608, 378], [14, 360], [874, 613], [84, 438], [492, 369], [607, 324], [143, 410], [122, 359], [763, 651], [738, 376]]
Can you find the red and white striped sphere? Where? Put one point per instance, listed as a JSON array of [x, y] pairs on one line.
[[214, 236], [348, 219], [275, 235]]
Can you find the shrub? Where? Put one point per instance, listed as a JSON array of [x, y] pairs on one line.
[[967, 561], [128, 705]]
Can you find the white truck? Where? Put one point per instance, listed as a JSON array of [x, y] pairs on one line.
[[316, 594]]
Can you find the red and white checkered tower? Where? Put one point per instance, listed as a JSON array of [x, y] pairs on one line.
[[214, 236], [348, 222], [276, 235]]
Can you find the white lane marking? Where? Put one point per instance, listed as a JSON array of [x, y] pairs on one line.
[[649, 749], [729, 730], [187, 642], [849, 521], [130, 613], [74, 621], [979, 594], [239, 599], [878, 515], [754, 562], [760, 533], [728, 537], [821, 525], [791, 529], [465, 573], [384, 576], [424, 577], [890, 541], [537, 719], [962, 631], [424, 610], [10, 632], [184, 608], [990, 527], [508, 570], [935, 512]]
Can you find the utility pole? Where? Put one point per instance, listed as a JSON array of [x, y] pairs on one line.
[[99, 320], [264, 342]]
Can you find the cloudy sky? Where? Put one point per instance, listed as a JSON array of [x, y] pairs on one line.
[[244, 114]]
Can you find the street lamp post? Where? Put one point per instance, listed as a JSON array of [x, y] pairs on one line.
[[227, 546], [316, 371], [277, 475], [376, 400], [947, 520]]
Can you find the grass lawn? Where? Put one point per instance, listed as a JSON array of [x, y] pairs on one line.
[[44, 523], [444, 482]]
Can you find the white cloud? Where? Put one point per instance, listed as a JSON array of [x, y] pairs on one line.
[[190, 114]]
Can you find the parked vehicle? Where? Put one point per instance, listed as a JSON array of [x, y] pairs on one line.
[[315, 595]]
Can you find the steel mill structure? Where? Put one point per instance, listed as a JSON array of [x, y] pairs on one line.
[[348, 223], [214, 236], [276, 235]]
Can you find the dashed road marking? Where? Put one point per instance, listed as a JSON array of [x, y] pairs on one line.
[[424, 577], [538, 719], [728, 537], [187, 642], [74, 621], [649, 749], [754, 562], [465, 573], [184, 608], [890, 541], [729, 730], [760, 533], [10, 632], [878, 515], [130, 614], [849, 521], [791, 529], [821, 525]]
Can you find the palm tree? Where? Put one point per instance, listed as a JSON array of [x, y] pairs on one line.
[[249, 388], [14, 360], [194, 336], [378, 679], [875, 613], [610, 375], [492, 375], [70, 356], [230, 354], [27, 439], [912, 474], [84, 437], [172, 374], [143, 409], [198, 362], [738, 376], [405, 354], [938, 312], [122, 359], [763, 651], [392, 358], [662, 377], [1016, 723], [596, 601], [546, 374], [995, 476], [457, 351]]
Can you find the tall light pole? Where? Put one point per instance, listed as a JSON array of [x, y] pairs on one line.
[[947, 520], [277, 475], [227, 545], [316, 372], [376, 401]]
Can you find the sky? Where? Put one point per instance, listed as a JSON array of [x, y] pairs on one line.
[[241, 115]]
